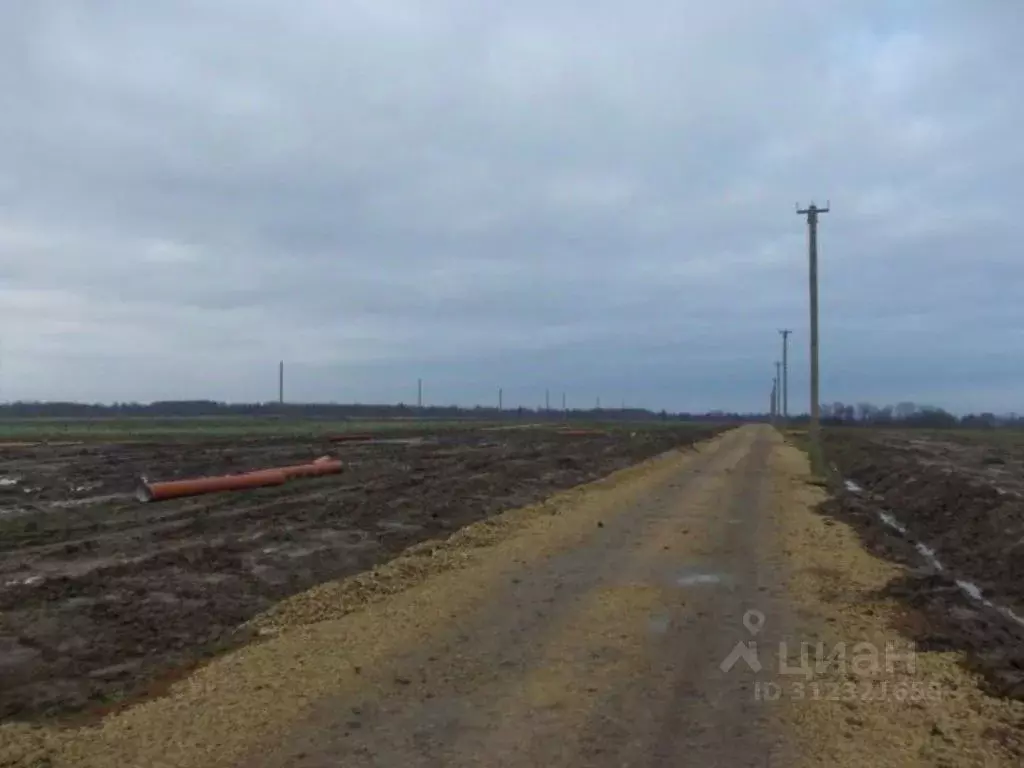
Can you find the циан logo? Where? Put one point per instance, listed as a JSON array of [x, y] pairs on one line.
[[753, 621]]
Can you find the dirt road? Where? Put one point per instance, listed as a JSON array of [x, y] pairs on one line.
[[606, 653], [587, 631]]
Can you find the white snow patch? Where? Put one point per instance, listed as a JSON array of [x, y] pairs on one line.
[[87, 500], [929, 554], [891, 521], [969, 588], [28, 581], [973, 591]]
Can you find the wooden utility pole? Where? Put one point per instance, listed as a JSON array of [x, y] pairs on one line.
[[500, 396], [785, 372], [778, 390], [774, 400], [280, 382], [547, 400], [419, 393], [811, 213]]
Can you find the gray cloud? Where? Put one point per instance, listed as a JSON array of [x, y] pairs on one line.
[[592, 197]]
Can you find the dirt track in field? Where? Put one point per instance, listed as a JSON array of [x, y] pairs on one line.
[[101, 597]]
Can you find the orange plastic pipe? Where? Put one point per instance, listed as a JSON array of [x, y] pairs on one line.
[[175, 489], [322, 466]]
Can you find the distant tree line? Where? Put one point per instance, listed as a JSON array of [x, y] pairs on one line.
[[342, 411], [904, 414], [909, 414]]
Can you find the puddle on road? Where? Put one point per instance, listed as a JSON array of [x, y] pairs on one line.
[[698, 577], [659, 624]]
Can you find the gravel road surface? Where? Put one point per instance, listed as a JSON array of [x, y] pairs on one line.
[[606, 653]]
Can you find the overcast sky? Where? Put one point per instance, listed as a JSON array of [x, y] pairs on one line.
[[596, 197]]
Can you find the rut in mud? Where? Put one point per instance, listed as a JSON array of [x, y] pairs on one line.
[[100, 595]]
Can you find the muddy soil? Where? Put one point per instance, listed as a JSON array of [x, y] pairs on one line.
[[962, 499], [100, 595]]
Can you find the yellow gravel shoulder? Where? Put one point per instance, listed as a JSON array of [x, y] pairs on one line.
[[935, 715]]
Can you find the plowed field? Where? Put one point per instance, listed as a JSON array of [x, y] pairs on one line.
[[951, 506], [102, 597]]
